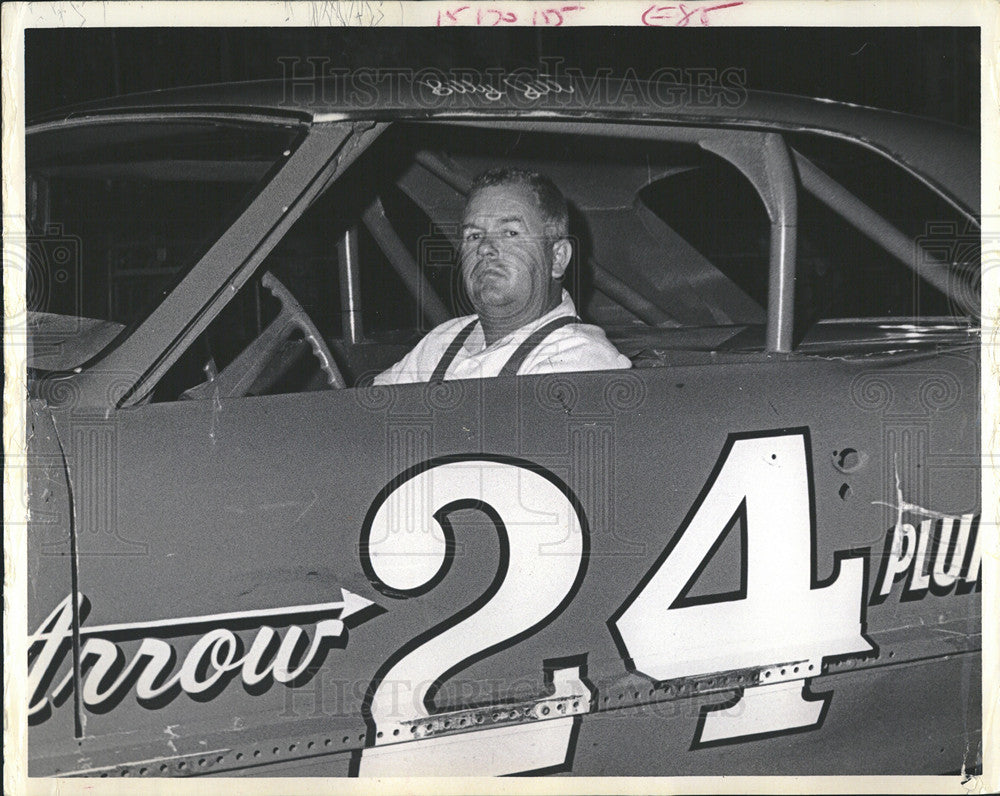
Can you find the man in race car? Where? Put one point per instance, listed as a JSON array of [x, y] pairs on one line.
[[514, 252]]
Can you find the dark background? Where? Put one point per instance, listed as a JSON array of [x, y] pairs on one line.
[[925, 71]]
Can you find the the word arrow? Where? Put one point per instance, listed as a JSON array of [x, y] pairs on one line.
[[348, 604]]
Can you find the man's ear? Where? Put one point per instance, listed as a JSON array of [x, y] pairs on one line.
[[562, 251]]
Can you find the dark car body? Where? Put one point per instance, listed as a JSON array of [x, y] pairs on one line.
[[756, 551]]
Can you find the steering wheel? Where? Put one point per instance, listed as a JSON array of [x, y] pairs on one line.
[[239, 375]]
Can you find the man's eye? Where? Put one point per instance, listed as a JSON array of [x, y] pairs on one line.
[[510, 233], [473, 235]]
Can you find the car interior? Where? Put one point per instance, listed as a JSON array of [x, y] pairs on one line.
[[671, 248]]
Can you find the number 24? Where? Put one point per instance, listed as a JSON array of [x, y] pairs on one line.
[[782, 617]]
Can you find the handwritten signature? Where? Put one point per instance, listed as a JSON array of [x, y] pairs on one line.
[[531, 88]]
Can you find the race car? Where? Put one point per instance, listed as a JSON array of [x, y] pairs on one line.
[[757, 550]]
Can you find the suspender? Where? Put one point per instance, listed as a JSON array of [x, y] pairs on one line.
[[513, 364], [452, 351], [524, 350]]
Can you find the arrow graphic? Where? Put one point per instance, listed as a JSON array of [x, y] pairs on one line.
[[349, 604]]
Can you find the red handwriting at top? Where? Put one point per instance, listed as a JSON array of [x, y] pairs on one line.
[[450, 16], [553, 16], [680, 16]]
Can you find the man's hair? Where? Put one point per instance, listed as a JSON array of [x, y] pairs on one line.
[[548, 197]]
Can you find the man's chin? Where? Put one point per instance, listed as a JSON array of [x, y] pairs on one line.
[[495, 305]]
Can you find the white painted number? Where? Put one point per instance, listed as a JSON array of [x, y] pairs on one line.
[[784, 624], [405, 547]]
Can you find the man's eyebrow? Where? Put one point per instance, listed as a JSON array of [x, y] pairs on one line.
[[503, 220]]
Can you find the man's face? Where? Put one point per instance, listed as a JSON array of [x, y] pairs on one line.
[[509, 263]]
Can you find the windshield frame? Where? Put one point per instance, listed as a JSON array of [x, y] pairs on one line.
[[234, 213]]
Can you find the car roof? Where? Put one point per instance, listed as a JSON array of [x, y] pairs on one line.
[[943, 154]]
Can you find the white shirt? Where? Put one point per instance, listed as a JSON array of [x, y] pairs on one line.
[[575, 347]]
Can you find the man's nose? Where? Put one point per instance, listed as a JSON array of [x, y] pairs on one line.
[[487, 246]]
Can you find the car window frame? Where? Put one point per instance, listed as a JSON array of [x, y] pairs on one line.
[[775, 179], [315, 164], [134, 118], [125, 374]]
